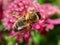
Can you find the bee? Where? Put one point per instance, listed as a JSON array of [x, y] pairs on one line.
[[26, 20]]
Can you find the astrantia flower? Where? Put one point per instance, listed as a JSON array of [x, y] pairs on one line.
[[16, 8], [20, 7]]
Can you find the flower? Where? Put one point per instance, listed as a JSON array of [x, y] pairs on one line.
[[20, 7], [16, 8], [6, 3], [1, 11]]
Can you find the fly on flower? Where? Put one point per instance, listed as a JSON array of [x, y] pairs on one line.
[[26, 20]]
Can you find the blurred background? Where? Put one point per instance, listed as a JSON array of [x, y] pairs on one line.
[[51, 37]]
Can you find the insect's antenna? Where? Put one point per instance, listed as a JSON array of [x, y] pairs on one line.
[[38, 15]]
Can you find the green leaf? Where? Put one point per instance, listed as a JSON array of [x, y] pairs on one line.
[[11, 41], [1, 27], [55, 16], [53, 2], [59, 42], [37, 38], [30, 42], [53, 35], [56, 2], [40, 1], [21, 42]]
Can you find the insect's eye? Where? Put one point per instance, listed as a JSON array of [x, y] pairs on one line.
[[38, 15], [33, 17]]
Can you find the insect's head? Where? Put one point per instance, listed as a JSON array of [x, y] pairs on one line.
[[34, 16]]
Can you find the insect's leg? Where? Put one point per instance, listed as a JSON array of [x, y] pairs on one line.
[[28, 28]]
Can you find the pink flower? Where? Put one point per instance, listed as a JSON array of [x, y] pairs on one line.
[[45, 24], [26, 37], [17, 8], [1, 12], [12, 33], [55, 21], [20, 7], [49, 26], [6, 3], [35, 26]]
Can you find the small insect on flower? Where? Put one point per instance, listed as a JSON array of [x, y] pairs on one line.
[[26, 20]]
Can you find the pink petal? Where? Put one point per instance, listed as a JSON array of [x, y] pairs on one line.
[[55, 21], [12, 33], [49, 26]]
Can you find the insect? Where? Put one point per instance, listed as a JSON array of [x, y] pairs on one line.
[[26, 20]]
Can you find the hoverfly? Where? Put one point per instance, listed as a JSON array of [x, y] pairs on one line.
[[26, 20]]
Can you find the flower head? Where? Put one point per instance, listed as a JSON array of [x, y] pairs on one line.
[[20, 7], [16, 8]]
